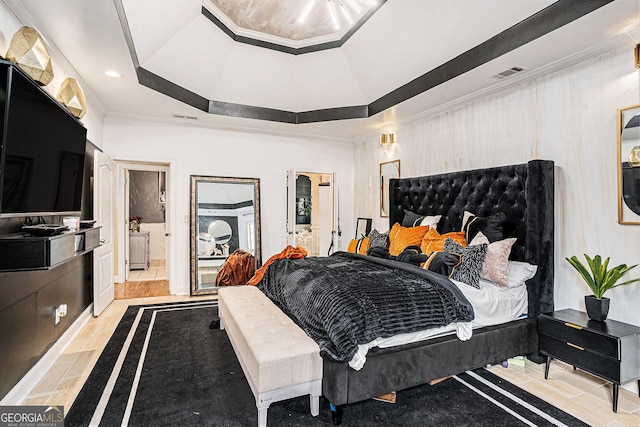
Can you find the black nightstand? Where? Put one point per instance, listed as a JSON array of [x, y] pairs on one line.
[[609, 349]]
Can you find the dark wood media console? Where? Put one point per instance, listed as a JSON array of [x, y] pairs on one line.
[[20, 252]]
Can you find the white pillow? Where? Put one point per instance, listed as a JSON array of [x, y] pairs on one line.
[[518, 272], [495, 266], [431, 221]]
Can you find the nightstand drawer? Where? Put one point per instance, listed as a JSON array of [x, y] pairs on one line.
[[582, 337], [576, 355]]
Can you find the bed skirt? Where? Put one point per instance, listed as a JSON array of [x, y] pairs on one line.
[[397, 368]]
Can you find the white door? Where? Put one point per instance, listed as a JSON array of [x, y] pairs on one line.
[[103, 185]]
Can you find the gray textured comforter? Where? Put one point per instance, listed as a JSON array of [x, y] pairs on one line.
[[346, 299]]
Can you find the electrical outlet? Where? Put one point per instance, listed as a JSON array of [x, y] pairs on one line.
[[61, 311], [186, 219]]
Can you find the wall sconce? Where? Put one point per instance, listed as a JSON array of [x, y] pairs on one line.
[[387, 139], [636, 55]]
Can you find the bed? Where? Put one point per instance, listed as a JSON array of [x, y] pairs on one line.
[[524, 193]]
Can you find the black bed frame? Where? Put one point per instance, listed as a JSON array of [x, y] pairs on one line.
[[525, 193]]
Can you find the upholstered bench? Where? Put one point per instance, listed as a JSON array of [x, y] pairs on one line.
[[279, 360]]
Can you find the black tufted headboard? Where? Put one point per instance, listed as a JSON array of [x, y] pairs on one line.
[[523, 192]]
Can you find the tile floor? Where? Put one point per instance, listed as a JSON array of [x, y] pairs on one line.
[[576, 392], [157, 270]]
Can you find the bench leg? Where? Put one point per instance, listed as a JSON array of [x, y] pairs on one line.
[[315, 405], [262, 417]]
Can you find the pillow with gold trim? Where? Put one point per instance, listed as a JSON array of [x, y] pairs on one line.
[[412, 219], [359, 246], [468, 271], [491, 226], [400, 237], [443, 263], [434, 241]]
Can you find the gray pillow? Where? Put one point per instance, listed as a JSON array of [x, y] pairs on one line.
[[468, 271], [378, 239]]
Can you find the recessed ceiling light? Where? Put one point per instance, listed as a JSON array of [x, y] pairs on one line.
[[112, 73]]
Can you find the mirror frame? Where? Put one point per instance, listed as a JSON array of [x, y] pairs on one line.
[[363, 227], [624, 214], [193, 221], [382, 195]]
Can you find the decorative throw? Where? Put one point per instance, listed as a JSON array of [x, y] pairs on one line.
[[237, 269], [288, 252], [345, 300]]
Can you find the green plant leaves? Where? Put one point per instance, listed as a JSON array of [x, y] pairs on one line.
[[599, 277]]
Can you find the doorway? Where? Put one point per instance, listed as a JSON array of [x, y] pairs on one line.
[[311, 211], [144, 232]]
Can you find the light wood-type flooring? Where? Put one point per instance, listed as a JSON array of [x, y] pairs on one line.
[[580, 394], [145, 283]]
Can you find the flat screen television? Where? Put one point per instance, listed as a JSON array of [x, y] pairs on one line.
[[42, 150]]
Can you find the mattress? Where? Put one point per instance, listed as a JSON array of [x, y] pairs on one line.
[[492, 305]]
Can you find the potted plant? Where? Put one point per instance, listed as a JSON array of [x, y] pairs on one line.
[[600, 279]]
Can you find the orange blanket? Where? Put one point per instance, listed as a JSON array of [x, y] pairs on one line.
[[288, 252], [237, 269]]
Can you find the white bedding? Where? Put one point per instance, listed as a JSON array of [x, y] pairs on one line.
[[492, 305]]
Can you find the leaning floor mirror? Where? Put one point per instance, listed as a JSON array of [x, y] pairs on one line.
[[629, 165], [224, 217]]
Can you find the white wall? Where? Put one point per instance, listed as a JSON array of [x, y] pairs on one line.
[[568, 117], [195, 150]]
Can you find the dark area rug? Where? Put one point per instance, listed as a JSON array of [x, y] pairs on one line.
[[176, 371]]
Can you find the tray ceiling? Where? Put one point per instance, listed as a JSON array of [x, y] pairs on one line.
[[277, 24], [408, 58]]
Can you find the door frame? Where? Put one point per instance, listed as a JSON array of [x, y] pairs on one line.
[[122, 209]]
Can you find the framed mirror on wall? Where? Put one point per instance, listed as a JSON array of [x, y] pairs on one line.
[[388, 170], [363, 227], [224, 217], [629, 165]]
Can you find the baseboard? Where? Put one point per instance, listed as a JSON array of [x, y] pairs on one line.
[[21, 391]]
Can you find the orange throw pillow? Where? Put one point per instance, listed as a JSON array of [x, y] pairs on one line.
[[434, 241], [359, 246], [400, 237]]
